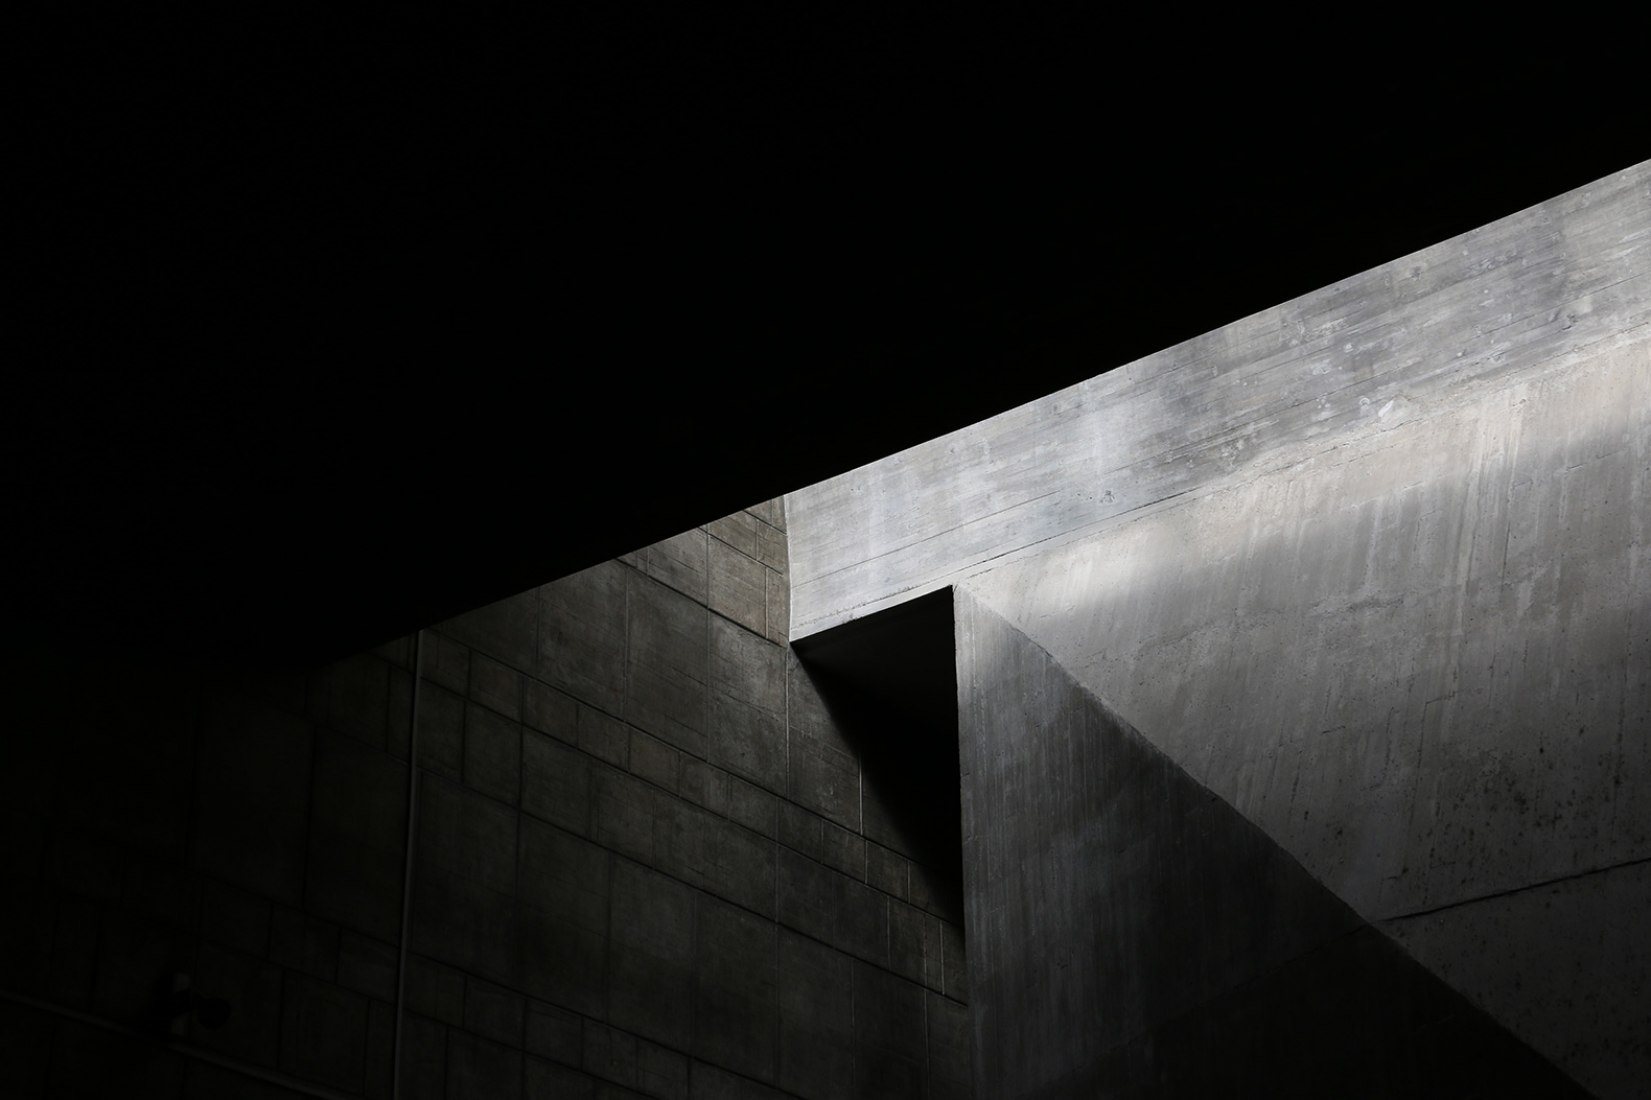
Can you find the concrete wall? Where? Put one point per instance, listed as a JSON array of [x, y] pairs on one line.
[[644, 866], [1375, 566], [1132, 934]]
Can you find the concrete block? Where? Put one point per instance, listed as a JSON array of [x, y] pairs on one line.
[[661, 1073], [889, 1033], [548, 710], [735, 1004], [496, 686], [549, 1081], [779, 607], [234, 918], [888, 870], [352, 696], [655, 761], [367, 965], [627, 813], [324, 1033], [678, 562], [253, 777], [446, 661], [435, 990], [651, 961], [752, 536], [951, 1045], [441, 731], [914, 945], [423, 1059], [381, 1050], [747, 666], [560, 963], [831, 907], [556, 783], [357, 837], [463, 922], [564, 876], [582, 635], [611, 1054], [304, 943], [744, 802], [666, 664], [738, 586], [955, 962], [506, 631], [710, 1082], [481, 1070], [816, 1006], [555, 1033], [167, 892], [603, 736], [748, 740], [253, 989], [492, 754], [825, 780], [735, 863], [463, 834], [494, 1012]]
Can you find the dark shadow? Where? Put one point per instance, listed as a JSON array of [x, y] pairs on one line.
[[889, 681]]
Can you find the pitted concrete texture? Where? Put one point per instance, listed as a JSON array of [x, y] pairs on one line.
[[1132, 934], [1375, 566]]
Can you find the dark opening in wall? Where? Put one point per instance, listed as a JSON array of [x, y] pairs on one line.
[[890, 682]]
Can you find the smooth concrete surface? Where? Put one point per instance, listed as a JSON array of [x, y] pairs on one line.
[[1375, 566], [1132, 934]]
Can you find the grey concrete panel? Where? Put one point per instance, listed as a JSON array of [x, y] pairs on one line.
[[357, 837], [435, 990], [679, 562], [441, 731], [779, 607], [743, 802], [582, 635], [816, 1006], [915, 945], [463, 922], [735, 863], [494, 1012], [367, 965], [748, 740], [445, 661], [603, 736], [133, 954], [423, 1059], [253, 989], [492, 753], [496, 686], [352, 696], [738, 586], [832, 907], [651, 759], [550, 711], [752, 536], [951, 1061], [556, 783], [25, 1051], [650, 974], [463, 834], [735, 1001], [558, 962], [304, 943], [506, 630], [824, 779], [711, 1082], [889, 1034], [381, 1050], [324, 1033], [666, 662], [481, 1070], [564, 876], [549, 1081], [1501, 953], [251, 793], [888, 870], [554, 1033]]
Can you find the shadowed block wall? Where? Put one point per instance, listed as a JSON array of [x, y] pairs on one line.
[[646, 862], [1375, 567]]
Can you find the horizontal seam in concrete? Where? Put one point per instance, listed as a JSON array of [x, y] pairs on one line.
[[1516, 890]]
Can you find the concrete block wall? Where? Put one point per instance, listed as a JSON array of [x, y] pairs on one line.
[[646, 862]]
